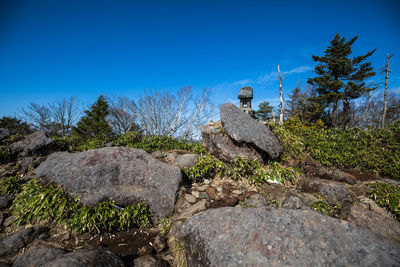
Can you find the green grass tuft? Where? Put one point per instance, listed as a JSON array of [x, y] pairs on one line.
[[38, 202], [386, 196]]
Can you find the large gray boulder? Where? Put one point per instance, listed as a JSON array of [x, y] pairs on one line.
[[282, 237], [43, 254], [223, 147], [16, 241], [35, 144], [4, 133], [126, 175], [242, 128]]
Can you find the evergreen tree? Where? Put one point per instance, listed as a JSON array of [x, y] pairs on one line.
[[264, 111], [94, 123], [341, 78]]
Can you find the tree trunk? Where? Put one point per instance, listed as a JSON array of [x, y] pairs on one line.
[[386, 90], [281, 97]]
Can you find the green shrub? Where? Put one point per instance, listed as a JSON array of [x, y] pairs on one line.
[[323, 207], [38, 202], [11, 139], [386, 196], [128, 139], [163, 143], [5, 154], [93, 143], [206, 167], [375, 151], [10, 185]]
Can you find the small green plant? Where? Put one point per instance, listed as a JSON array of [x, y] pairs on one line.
[[97, 142], [11, 139], [128, 139], [165, 225], [5, 154], [10, 185], [386, 196], [39, 202], [323, 207], [163, 143], [206, 167]]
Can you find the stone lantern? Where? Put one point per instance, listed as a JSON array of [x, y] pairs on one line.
[[245, 96]]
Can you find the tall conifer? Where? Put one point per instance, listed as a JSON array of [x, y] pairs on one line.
[[340, 78]]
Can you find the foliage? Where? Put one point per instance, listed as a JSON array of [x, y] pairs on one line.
[[375, 150], [97, 142], [155, 143], [340, 78], [15, 125], [10, 185], [38, 202], [5, 154], [386, 196], [323, 207], [94, 123], [206, 167], [264, 111], [165, 225]]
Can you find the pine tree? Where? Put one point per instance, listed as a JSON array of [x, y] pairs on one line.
[[94, 123], [264, 111], [341, 78]]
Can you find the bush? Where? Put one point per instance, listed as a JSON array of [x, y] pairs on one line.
[[375, 151], [386, 196], [207, 167], [97, 142], [323, 207], [155, 143], [10, 185], [38, 202]]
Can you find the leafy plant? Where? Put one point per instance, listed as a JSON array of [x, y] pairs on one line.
[[163, 143], [323, 207], [206, 167], [165, 224], [10, 185], [38, 202], [97, 142], [386, 196]]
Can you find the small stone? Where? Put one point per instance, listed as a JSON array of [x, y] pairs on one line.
[[149, 261], [202, 187], [159, 243], [211, 192], [219, 188], [204, 195], [189, 198], [237, 192], [196, 194], [6, 201], [9, 220]]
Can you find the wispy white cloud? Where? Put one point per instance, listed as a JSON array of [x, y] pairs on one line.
[[396, 90], [300, 69]]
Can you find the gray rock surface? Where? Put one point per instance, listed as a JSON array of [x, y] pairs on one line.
[[126, 175], [39, 254], [6, 201], [223, 147], [282, 237], [334, 192], [243, 129], [4, 133], [186, 160], [375, 222], [149, 261], [35, 144], [85, 257], [16, 241]]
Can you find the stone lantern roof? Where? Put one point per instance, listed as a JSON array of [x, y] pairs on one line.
[[246, 93]]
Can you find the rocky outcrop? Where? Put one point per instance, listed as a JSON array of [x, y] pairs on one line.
[[4, 133], [16, 241], [282, 237], [43, 254], [126, 175], [36, 144], [239, 134]]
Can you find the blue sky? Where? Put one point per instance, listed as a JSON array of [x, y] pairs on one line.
[[51, 49]]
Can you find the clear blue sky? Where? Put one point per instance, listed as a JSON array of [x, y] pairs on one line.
[[56, 48]]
